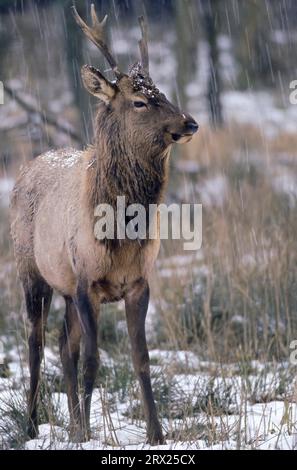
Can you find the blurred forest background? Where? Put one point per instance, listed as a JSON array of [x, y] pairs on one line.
[[200, 50], [230, 64]]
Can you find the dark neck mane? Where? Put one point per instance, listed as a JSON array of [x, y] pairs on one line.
[[119, 170]]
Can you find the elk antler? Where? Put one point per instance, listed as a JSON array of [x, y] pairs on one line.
[[143, 45], [97, 36]]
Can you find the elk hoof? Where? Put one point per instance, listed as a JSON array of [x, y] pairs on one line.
[[78, 435], [155, 436]]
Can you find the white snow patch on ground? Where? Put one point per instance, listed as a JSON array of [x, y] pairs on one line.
[[188, 166], [270, 425], [213, 191], [286, 183], [259, 108], [6, 186], [184, 358], [264, 428]]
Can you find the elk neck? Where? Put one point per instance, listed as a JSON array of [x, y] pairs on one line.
[[120, 169]]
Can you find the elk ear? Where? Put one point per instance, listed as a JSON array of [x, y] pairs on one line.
[[97, 84]]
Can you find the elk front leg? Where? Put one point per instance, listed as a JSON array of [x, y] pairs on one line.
[[136, 303], [88, 318], [69, 352]]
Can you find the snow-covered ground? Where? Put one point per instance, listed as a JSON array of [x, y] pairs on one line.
[[235, 418]]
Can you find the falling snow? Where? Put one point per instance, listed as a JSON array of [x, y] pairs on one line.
[[220, 320]]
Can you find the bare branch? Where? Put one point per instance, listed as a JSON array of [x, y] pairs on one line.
[[45, 117]]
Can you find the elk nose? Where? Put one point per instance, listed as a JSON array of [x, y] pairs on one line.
[[191, 126]]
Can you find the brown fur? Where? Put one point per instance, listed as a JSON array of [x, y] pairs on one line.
[[52, 213]]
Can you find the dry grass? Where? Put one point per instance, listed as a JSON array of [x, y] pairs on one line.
[[239, 300], [215, 149]]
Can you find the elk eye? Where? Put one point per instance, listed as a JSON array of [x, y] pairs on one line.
[[139, 104]]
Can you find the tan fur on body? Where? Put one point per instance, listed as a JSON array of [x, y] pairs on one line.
[[57, 241]]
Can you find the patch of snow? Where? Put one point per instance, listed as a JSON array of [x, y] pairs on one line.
[[280, 37], [188, 166], [169, 272], [269, 425], [184, 358], [6, 186], [286, 183], [213, 190], [259, 109], [19, 370], [65, 158], [239, 319], [180, 260], [105, 358]]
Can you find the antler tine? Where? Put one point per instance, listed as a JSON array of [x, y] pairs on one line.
[[143, 44], [97, 36]]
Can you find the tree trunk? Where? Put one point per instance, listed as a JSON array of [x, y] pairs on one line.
[[210, 20]]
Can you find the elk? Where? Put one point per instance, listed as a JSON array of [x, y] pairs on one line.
[[52, 225]]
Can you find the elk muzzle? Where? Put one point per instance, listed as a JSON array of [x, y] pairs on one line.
[[185, 132]]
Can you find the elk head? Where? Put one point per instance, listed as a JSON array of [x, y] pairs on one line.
[[140, 113]]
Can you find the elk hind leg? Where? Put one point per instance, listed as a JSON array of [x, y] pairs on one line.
[[38, 295]]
